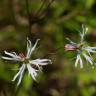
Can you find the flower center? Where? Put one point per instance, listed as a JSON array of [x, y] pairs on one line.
[[23, 58], [27, 60]]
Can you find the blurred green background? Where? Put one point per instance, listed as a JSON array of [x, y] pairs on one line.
[[52, 22]]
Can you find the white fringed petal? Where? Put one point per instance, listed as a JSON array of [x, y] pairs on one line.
[[41, 61], [29, 46], [32, 71], [88, 58], [83, 33], [19, 74], [13, 59], [13, 56], [30, 49], [79, 60], [90, 49], [71, 42]]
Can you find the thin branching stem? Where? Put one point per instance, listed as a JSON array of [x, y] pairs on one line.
[[48, 5], [41, 7]]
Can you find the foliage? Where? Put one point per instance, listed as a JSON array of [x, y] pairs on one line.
[[51, 23]]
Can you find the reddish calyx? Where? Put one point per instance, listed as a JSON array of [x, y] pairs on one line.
[[70, 47], [23, 56]]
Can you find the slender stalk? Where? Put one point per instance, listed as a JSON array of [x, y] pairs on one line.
[[29, 16]]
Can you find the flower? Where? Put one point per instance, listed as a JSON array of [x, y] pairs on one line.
[[33, 66], [82, 49]]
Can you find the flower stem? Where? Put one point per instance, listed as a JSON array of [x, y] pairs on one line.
[[29, 17]]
